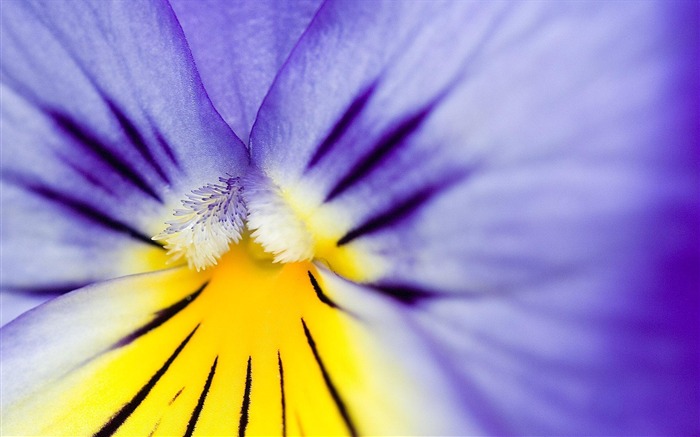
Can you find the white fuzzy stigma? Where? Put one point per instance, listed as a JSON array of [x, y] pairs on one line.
[[273, 223], [212, 218]]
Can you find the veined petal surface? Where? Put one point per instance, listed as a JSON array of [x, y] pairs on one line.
[[105, 127], [239, 46], [534, 161], [442, 133], [248, 348]]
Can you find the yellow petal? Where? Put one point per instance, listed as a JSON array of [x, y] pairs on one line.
[[248, 346]]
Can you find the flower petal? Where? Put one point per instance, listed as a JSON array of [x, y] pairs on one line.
[[569, 361], [105, 127], [554, 358], [55, 350], [522, 180], [246, 347], [13, 305], [239, 47], [406, 388], [453, 158]]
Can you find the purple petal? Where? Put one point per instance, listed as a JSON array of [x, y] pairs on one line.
[[239, 47], [75, 333], [105, 125], [487, 154], [13, 305], [563, 358]]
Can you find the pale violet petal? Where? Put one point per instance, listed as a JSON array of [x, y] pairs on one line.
[[538, 124], [106, 127], [476, 156], [55, 349], [547, 358], [12, 305], [239, 46], [248, 347]]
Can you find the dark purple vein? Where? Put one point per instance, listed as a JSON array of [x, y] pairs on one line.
[[342, 125], [39, 290], [388, 218], [95, 180], [405, 294], [403, 209], [78, 207], [167, 149], [134, 135], [389, 142], [95, 146]]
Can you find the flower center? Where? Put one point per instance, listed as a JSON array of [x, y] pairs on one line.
[[274, 225], [211, 219], [287, 225], [214, 216]]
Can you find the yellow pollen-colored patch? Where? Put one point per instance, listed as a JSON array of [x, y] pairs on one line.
[[327, 226], [247, 344], [148, 258], [294, 224]]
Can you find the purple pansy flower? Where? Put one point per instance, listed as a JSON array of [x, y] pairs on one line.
[[349, 218]]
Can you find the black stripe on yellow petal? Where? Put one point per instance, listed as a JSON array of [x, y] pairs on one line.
[[120, 417], [284, 403], [155, 376], [176, 396], [155, 428], [342, 409], [161, 317], [200, 403], [245, 406], [319, 292]]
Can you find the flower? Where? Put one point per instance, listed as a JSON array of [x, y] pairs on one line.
[[401, 218]]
